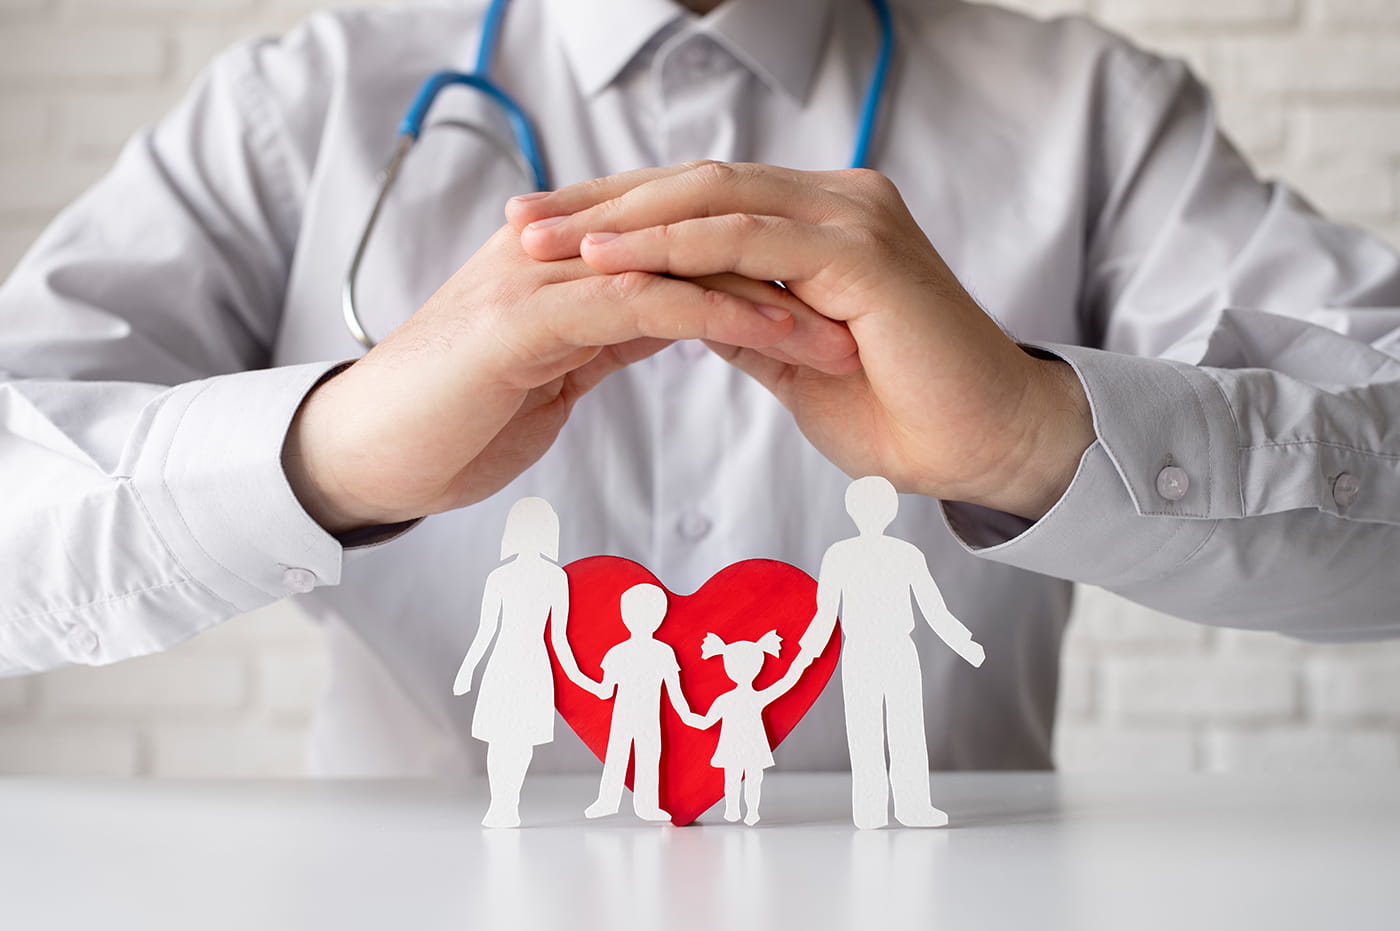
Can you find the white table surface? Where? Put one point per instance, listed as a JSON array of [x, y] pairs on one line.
[[1024, 851]]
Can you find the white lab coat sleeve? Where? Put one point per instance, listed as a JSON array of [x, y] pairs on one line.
[[140, 434], [1249, 345]]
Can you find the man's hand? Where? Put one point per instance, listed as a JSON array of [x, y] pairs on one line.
[[476, 385], [944, 403]]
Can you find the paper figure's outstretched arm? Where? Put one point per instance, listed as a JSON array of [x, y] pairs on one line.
[[485, 631], [678, 699], [823, 622], [702, 721], [948, 628], [790, 678], [559, 639]]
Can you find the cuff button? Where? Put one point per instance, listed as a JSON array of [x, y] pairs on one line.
[[1345, 489], [1173, 483], [82, 641], [298, 580]]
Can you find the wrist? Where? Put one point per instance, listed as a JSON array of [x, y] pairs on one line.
[[310, 461], [1059, 428], [1049, 434]]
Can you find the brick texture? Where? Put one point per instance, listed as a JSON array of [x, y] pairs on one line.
[[1365, 690], [70, 750], [1195, 688], [1284, 748], [199, 684], [1309, 89]]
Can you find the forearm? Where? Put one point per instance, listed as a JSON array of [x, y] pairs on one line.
[[677, 697], [1215, 493], [819, 629], [563, 652], [790, 678], [141, 515]]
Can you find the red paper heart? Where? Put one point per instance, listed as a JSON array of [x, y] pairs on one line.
[[740, 602]]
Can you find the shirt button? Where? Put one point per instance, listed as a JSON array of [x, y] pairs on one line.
[[696, 58], [693, 525], [82, 641], [1345, 489], [1172, 483], [298, 580]]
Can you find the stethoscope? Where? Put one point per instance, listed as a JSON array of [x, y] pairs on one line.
[[526, 154]]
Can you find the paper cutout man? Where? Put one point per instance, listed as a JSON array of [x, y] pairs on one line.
[[867, 580], [743, 751], [637, 669], [515, 706]]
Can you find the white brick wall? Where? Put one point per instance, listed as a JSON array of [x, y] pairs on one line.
[[1309, 88]]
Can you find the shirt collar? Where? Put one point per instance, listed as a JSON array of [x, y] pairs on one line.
[[779, 40], [601, 36]]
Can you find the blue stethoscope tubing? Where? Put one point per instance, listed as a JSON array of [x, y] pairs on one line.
[[479, 78], [531, 155]]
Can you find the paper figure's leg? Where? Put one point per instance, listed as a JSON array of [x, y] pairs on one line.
[[506, 764], [904, 715], [646, 776], [865, 735], [614, 775], [732, 787], [753, 788]]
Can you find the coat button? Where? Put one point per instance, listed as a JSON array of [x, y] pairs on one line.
[[1172, 483], [298, 580], [1345, 489], [693, 525]]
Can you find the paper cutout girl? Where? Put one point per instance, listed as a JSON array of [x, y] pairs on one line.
[[744, 751], [515, 706], [638, 668]]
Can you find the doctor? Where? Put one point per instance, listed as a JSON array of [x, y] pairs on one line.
[[1063, 317]]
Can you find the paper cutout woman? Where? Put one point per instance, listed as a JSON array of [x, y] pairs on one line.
[[638, 668], [515, 706], [743, 751]]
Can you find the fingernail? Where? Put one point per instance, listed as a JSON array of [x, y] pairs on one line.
[[598, 239], [546, 223], [773, 313], [536, 195]]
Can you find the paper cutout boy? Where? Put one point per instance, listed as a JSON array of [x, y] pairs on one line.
[[637, 669], [868, 580], [744, 751]]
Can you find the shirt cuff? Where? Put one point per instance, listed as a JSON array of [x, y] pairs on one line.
[[1147, 493], [210, 477]]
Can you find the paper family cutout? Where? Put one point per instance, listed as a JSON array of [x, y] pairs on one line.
[[635, 672], [741, 602], [616, 618], [744, 751]]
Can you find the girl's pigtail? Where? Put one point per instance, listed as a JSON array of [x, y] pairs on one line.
[[711, 646], [770, 643]]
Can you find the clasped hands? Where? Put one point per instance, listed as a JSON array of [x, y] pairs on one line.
[[886, 363]]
